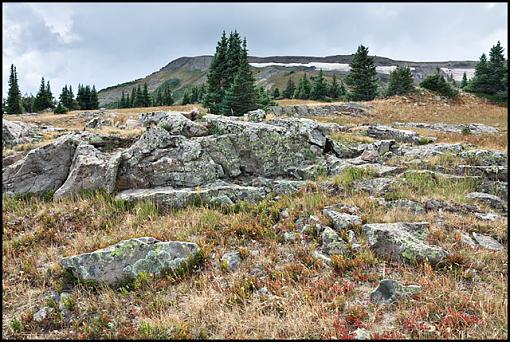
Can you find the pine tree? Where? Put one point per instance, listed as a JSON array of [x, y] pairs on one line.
[[216, 76], [94, 101], [127, 104], [41, 98], [28, 103], [234, 58], [437, 83], [133, 97], [50, 103], [319, 88], [122, 102], [464, 82], [401, 81], [264, 100], [60, 109], [334, 88], [185, 98], [146, 98], [241, 97], [497, 71], [138, 102], [288, 93], [303, 89], [481, 80], [276, 93], [14, 103], [362, 77]]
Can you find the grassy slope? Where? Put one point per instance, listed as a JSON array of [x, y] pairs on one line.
[[465, 298]]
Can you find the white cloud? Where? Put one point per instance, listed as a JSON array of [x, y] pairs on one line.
[[58, 18]]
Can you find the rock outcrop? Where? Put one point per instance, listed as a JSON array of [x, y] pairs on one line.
[[353, 109]]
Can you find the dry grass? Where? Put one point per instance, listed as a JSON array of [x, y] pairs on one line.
[[466, 298]]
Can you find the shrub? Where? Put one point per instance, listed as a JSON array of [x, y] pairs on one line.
[[60, 109], [438, 84], [401, 81]]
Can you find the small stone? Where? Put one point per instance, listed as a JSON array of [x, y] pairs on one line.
[[291, 236], [487, 216], [284, 214], [487, 242], [342, 220], [231, 260], [390, 291], [362, 334], [42, 314]]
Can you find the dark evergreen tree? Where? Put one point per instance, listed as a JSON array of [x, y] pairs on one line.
[[138, 102], [319, 89], [122, 102], [264, 99], [464, 82], [28, 103], [14, 103], [49, 96], [241, 97], [234, 58], [127, 104], [334, 88], [40, 102], [146, 97], [185, 98], [437, 83], [401, 81], [60, 109], [94, 101], [362, 77], [133, 98], [288, 93], [216, 76], [276, 93], [303, 89]]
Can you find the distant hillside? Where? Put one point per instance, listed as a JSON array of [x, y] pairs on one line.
[[274, 71]]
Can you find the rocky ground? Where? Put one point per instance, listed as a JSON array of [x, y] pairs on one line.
[[378, 220]]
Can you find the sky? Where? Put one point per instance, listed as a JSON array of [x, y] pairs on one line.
[[110, 43]]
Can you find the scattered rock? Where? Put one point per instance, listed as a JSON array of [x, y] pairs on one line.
[[487, 242], [484, 157], [402, 241], [17, 132], [491, 200], [42, 314], [97, 123], [352, 109], [452, 128], [231, 261], [291, 236], [362, 334], [257, 115], [125, 260], [390, 291], [386, 132], [331, 242], [341, 220]]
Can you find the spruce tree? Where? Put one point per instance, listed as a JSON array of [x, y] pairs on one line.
[[288, 93], [464, 82], [28, 103], [481, 81], [185, 98], [146, 97], [319, 88], [264, 100], [303, 89], [334, 88], [133, 98], [122, 102], [401, 81], [241, 97], [40, 97], [127, 104], [138, 102], [234, 58], [50, 103], [276, 93], [94, 101], [216, 76], [60, 109], [363, 76], [14, 103], [438, 84]]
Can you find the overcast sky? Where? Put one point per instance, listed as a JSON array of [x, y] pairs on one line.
[[107, 44]]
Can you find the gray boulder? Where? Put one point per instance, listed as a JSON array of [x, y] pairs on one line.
[[402, 241], [487, 242], [491, 200], [178, 124], [125, 260], [390, 291], [341, 220], [386, 132], [257, 115], [331, 242], [485, 157], [17, 132], [230, 261]]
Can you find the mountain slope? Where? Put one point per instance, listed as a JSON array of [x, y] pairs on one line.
[[274, 71]]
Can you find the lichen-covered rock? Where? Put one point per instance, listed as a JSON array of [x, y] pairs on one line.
[[429, 150], [402, 241], [451, 128], [491, 200], [484, 157], [403, 203], [175, 123], [41, 169], [161, 159], [257, 115], [98, 122], [352, 109], [88, 171], [17, 132], [125, 260], [331, 242], [230, 261], [386, 132], [309, 225], [390, 291], [211, 193], [492, 172], [487, 242], [341, 220], [374, 186]]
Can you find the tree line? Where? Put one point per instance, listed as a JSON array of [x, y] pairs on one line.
[[86, 98]]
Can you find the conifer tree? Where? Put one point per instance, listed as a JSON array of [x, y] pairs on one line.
[[319, 88], [185, 98], [60, 109], [138, 102], [234, 58], [464, 82], [362, 77], [133, 97], [303, 89], [14, 102], [94, 101], [49, 96], [334, 88], [276, 93], [401, 81], [146, 97], [216, 76], [28, 103], [288, 93], [127, 104], [41, 98], [264, 100], [122, 102], [241, 97]]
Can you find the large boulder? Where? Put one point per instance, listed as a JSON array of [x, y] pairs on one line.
[[125, 260], [257, 115], [491, 200], [17, 132], [176, 124], [162, 159], [341, 220], [402, 241], [42, 169], [386, 132], [484, 157], [89, 170], [451, 128], [352, 109]]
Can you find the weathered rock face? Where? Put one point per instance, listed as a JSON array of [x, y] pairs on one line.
[[42, 169], [175, 123], [98, 122], [386, 132], [430, 150], [17, 132], [255, 115], [485, 157], [88, 171], [127, 259], [353, 109], [219, 192], [487, 242], [491, 200], [390, 291], [452, 128], [341, 220], [402, 241]]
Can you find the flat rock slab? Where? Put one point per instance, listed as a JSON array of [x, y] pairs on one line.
[[341, 220], [491, 200], [387, 132], [488, 242], [451, 128], [220, 193], [402, 241], [125, 260], [352, 109], [390, 291]]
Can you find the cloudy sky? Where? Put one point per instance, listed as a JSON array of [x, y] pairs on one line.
[[107, 44]]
